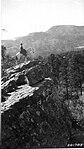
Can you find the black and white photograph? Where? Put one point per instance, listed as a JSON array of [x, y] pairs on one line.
[[42, 74]]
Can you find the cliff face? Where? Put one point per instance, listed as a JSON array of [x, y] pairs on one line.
[[33, 115]]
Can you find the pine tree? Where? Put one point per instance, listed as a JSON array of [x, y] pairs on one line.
[[64, 76], [77, 71]]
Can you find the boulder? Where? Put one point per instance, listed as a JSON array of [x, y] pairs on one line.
[[21, 80], [35, 75]]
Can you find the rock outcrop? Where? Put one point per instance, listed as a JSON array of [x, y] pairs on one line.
[[33, 115]]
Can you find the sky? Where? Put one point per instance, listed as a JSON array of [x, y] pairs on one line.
[[21, 17]]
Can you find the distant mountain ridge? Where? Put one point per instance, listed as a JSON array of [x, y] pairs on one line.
[[57, 39]]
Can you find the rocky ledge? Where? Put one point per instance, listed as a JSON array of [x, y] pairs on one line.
[[33, 115]]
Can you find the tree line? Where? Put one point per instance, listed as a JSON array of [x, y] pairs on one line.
[[67, 70]]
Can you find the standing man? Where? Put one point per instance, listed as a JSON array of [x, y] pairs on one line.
[[21, 49]]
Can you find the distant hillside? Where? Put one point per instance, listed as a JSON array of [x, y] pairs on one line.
[[55, 40]]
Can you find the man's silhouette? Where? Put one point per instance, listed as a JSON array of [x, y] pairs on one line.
[[22, 50]]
